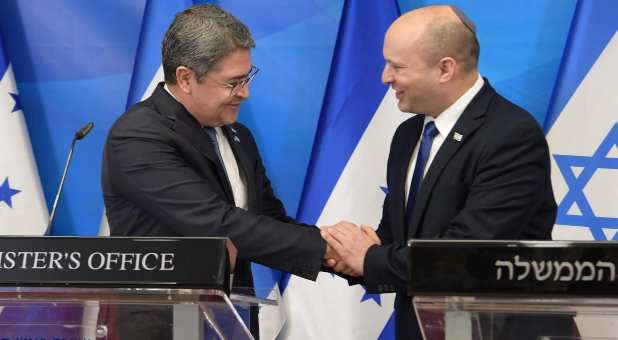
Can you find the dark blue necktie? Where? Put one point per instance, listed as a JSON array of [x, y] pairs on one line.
[[212, 135], [429, 133]]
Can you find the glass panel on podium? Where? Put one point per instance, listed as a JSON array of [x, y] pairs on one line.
[[503, 290], [120, 288], [120, 313]]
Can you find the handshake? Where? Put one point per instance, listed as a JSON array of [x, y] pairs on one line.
[[346, 246]]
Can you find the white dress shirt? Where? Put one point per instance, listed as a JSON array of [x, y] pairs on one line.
[[444, 123], [234, 175]]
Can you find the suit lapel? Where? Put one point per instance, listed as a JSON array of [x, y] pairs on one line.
[[411, 133], [470, 120], [244, 165], [185, 125]]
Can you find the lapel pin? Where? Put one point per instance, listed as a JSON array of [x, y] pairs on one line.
[[233, 130], [457, 136], [236, 139]]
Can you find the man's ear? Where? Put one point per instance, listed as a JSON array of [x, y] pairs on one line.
[[448, 67], [184, 77]]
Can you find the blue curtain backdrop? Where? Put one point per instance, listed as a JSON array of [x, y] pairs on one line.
[[74, 62]]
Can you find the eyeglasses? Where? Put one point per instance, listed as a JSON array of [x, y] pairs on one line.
[[236, 85]]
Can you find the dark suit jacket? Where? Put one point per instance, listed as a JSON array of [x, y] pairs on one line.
[[161, 177], [493, 184]]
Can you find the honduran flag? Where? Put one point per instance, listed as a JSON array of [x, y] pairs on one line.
[[23, 210], [147, 70], [347, 177]]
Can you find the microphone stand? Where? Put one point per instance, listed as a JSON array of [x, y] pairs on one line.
[[80, 134]]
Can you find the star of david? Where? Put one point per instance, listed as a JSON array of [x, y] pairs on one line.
[[6, 193], [577, 183]]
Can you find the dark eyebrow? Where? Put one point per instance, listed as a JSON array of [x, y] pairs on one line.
[[238, 77]]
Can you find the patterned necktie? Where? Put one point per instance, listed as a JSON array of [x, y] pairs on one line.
[[212, 135], [429, 133]]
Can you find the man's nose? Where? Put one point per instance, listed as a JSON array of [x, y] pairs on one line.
[[387, 74]]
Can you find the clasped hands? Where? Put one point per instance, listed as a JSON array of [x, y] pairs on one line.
[[347, 245]]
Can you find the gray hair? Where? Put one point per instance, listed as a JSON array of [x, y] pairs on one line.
[[199, 37]]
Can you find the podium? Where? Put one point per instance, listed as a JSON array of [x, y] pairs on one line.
[[538, 290], [119, 288]]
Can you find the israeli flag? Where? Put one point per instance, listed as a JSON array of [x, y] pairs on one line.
[[23, 210], [583, 127], [347, 177]]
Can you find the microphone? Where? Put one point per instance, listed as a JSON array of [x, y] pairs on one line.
[[79, 135]]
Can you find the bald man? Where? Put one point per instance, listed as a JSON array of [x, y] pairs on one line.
[[469, 165]]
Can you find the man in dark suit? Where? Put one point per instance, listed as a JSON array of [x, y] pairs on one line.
[[469, 165], [178, 163]]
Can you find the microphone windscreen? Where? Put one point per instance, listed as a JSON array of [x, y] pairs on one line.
[[81, 133]]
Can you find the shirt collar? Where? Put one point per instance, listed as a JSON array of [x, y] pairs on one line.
[[218, 129], [170, 92], [447, 119]]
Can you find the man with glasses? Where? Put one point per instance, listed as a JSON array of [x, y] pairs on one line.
[[178, 163]]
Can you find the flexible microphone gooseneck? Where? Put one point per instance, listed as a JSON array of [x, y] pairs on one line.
[[79, 135]]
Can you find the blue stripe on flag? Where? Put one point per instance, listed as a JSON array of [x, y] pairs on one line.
[[4, 60], [594, 23], [158, 15], [353, 94]]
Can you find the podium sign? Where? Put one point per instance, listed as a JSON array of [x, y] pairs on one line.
[[513, 267], [118, 288], [115, 261], [513, 290]]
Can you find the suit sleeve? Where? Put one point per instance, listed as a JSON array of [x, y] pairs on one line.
[[386, 267], [149, 170]]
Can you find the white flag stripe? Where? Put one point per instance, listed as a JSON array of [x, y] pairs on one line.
[[272, 318], [579, 130], [356, 197], [28, 214]]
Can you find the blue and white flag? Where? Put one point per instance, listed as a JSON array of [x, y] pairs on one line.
[[583, 137], [148, 71], [23, 210], [347, 176], [583, 126]]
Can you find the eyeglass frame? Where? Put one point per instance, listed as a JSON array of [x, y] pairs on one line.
[[237, 85]]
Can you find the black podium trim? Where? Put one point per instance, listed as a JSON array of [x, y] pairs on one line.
[[115, 262]]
